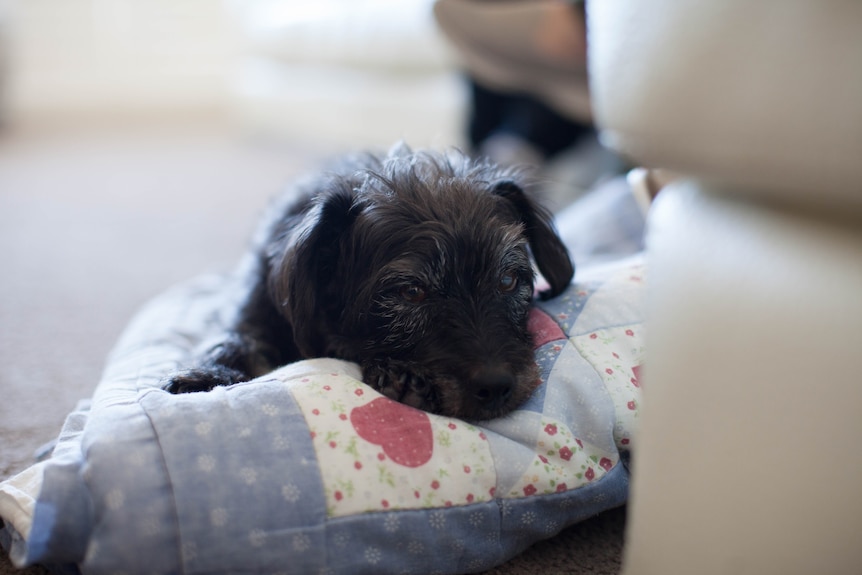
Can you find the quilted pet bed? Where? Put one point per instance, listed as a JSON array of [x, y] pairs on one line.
[[308, 470]]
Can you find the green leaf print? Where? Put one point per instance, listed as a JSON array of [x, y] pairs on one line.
[[385, 476], [351, 448], [443, 438]]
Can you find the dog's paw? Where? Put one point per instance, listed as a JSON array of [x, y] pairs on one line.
[[386, 379], [399, 383], [195, 380]]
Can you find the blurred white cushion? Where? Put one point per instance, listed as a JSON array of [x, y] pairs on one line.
[[375, 33], [762, 96], [346, 74]]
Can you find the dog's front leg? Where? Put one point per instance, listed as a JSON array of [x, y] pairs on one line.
[[259, 341], [238, 357]]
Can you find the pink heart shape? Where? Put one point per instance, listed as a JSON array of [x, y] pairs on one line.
[[404, 433]]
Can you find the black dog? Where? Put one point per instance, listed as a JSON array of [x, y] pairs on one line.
[[414, 265]]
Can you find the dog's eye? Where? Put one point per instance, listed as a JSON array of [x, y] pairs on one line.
[[413, 293], [508, 282]]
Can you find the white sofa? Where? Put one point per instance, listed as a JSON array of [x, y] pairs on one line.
[[750, 449]]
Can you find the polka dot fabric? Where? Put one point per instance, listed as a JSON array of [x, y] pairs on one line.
[[309, 470]]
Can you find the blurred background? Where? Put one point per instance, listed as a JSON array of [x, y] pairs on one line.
[[322, 72]]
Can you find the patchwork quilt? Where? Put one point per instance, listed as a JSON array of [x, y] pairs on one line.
[[308, 470]]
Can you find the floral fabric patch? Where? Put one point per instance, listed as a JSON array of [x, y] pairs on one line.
[[376, 454]]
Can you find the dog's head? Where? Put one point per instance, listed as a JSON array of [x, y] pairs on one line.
[[419, 268]]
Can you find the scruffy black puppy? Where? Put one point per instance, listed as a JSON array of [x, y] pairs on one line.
[[414, 265]]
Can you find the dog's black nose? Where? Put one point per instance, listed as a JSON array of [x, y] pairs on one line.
[[493, 387]]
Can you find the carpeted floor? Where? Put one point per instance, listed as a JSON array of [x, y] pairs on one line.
[[93, 224]]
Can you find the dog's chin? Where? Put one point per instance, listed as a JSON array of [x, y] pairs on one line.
[[459, 405], [472, 412], [464, 405], [444, 395]]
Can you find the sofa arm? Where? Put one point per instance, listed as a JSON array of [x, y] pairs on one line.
[[761, 96]]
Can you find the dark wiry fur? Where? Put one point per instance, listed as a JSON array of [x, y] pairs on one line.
[[414, 265]]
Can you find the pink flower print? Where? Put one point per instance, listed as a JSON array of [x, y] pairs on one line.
[[561, 487], [447, 503], [594, 336], [453, 426], [325, 387], [358, 465], [530, 490], [492, 491], [342, 416], [605, 463], [359, 393], [381, 456], [590, 474], [339, 496], [631, 405], [544, 459], [578, 441], [616, 355], [332, 444], [435, 484], [416, 494], [482, 436], [384, 504], [470, 498], [630, 333], [315, 411], [625, 441], [551, 429], [636, 380], [609, 371], [566, 453], [466, 469]]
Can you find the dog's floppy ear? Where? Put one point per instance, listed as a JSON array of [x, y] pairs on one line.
[[551, 255], [303, 262]]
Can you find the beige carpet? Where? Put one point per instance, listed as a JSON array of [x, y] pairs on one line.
[[93, 224]]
